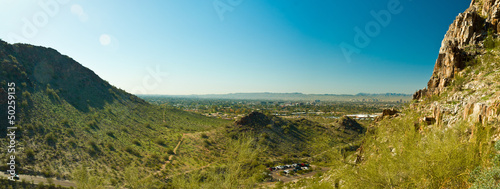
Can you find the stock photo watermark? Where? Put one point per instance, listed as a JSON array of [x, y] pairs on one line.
[[11, 130], [32, 25], [223, 6], [151, 81], [364, 35]]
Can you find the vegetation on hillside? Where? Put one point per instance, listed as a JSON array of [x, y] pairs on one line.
[[453, 152], [67, 117]]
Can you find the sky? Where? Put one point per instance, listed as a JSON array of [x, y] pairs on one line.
[[181, 47]]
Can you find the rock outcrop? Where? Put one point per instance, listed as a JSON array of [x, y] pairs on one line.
[[468, 30], [346, 123], [387, 113], [481, 113], [254, 119]]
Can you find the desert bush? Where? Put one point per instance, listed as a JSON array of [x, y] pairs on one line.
[[50, 139], [160, 141], [65, 122], [432, 158], [92, 148], [487, 177], [203, 135], [30, 155], [110, 146], [170, 151], [136, 142], [86, 181], [72, 143], [110, 134], [132, 151], [236, 170]]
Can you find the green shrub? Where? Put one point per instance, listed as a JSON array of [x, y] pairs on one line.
[[30, 155], [136, 142], [160, 141], [432, 158], [206, 143], [203, 135], [489, 42], [65, 122], [110, 134], [92, 148], [458, 82], [110, 146], [72, 143], [132, 151], [50, 139], [170, 151], [165, 157], [92, 125], [26, 94], [487, 177]]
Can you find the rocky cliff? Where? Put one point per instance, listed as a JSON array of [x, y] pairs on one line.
[[452, 126], [465, 82], [467, 33]]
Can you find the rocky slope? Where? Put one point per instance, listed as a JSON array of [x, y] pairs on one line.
[[464, 83], [447, 136], [467, 31]]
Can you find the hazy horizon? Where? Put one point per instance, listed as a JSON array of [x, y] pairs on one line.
[[219, 47], [276, 93]]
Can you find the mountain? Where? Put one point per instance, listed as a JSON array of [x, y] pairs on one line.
[[39, 67], [68, 117]]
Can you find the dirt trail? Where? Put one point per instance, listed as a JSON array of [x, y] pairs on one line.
[[39, 179], [171, 157], [67, 183], [286, 179], [176, 147]]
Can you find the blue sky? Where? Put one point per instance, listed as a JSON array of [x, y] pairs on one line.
[[228, 46]]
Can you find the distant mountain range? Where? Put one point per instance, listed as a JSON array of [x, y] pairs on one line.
[[300, 96]]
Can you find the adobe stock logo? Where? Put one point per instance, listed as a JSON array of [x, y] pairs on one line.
[[372, 29], [223, 6], [37, 21], [151, 81]]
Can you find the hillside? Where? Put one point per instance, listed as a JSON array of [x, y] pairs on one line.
[[68, 117], [72, 125], [295, 137], [448, 136]]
